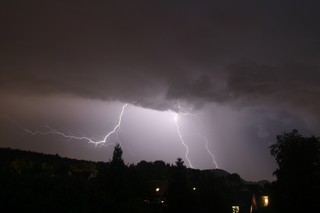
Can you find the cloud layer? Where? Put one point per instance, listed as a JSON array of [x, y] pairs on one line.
[[154, 54]]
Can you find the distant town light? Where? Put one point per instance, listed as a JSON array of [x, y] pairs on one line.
[[162, 201], [265, 201], [194, 188], [235, 209], [157, 189]]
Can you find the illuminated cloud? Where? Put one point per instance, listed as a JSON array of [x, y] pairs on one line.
[[152, 54]]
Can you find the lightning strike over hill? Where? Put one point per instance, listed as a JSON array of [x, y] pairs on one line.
[[182, 140], [184, 113], [106, 140], [205, 139], [208, 150]]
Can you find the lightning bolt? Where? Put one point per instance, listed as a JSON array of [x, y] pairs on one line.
[[204, 138], [181, 139], [208, 150], [70, 137]]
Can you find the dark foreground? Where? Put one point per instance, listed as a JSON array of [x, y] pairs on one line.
[[32, 182]]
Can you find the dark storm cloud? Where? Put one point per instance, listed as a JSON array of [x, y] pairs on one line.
[[153, 53], [290, 85]]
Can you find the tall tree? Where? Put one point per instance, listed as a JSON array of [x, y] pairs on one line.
[[180, 163], [117, 161], [179, 196], [298, 175]]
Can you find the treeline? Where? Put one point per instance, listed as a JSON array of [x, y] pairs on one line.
[[34, 182], [298, 174], [48, 183]]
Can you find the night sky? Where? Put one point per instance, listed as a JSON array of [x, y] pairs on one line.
[[247, 70]]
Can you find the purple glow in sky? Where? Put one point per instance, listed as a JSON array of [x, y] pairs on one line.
[[249, 70]]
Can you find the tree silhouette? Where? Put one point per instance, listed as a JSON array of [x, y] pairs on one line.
[[180, 189], [298, 175], [180, 163], [117, 161]]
